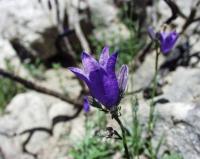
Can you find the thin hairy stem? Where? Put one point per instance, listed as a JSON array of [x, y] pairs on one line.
[[123, 136], [151, 120], [152, 106]]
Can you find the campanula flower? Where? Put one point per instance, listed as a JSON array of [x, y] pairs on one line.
[[101, 79], [166, 39]]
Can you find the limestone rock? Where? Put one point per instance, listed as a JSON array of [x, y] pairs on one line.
[[108, 25], [176, 120], [63, 81], [9, 58], [28, 23], [183, 85], [33, 110]]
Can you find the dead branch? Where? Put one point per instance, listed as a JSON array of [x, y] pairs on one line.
[[177, 12], [189, 20], [30, 85], [61, 118], [49, 131], [174, 9]]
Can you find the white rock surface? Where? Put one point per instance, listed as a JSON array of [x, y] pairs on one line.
[[183, 85], [105, 17], [62, 80], [31, 110], [30, 23], [177, 120], [8, 57], [7, 53]]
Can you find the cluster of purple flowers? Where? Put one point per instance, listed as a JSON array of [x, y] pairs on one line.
[[105, 86], [108, 87]]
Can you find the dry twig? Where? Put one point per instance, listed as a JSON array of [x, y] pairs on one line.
[[33, 86]]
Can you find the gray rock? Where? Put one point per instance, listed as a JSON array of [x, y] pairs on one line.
[[33, 26], [109, 28], [159, 19], [32, 110], [143, 76], [7, 53], [30, 24], [178, 123], [9, 58], [177, 120], [183, 85], [63, 81]]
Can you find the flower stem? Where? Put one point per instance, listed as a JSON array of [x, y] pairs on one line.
[[123, 136], [152, 106]]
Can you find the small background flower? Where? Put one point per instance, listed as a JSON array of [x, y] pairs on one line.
[[167, 39]]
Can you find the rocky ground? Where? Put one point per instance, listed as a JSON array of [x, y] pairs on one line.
[[37, 124]]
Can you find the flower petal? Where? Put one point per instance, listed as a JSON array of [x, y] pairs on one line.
[[161, 36], [169, 42], [151, 33], [80, 74], [104, 56], [112, 95], [123, 78], [104, 88], [97, 86], [86, 104], [110, 68], [89, 63]]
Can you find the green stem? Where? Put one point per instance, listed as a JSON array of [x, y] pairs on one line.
[[135, 128], [123, 136], [152, 106]]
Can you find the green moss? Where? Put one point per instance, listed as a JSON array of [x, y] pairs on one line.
[[8, 89]]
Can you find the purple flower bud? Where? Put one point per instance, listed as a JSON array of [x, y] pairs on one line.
[[86, 105], [123, 79], [101, 78], [167, 39]]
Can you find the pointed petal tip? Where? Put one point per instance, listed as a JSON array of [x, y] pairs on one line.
[[80, 74], [111, 63], [115, 54], [105, 53], [106, 47], [104, 56], [173, 33], [176, 35], [125, 67], [89, 62], [123, 78], [71, 68], [76, 70], [84, 55], [106, 50]]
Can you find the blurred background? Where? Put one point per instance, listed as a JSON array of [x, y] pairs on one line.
[[41, 100]]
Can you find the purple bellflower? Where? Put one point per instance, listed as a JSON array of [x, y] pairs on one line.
[[167, 40], [101, 79]]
